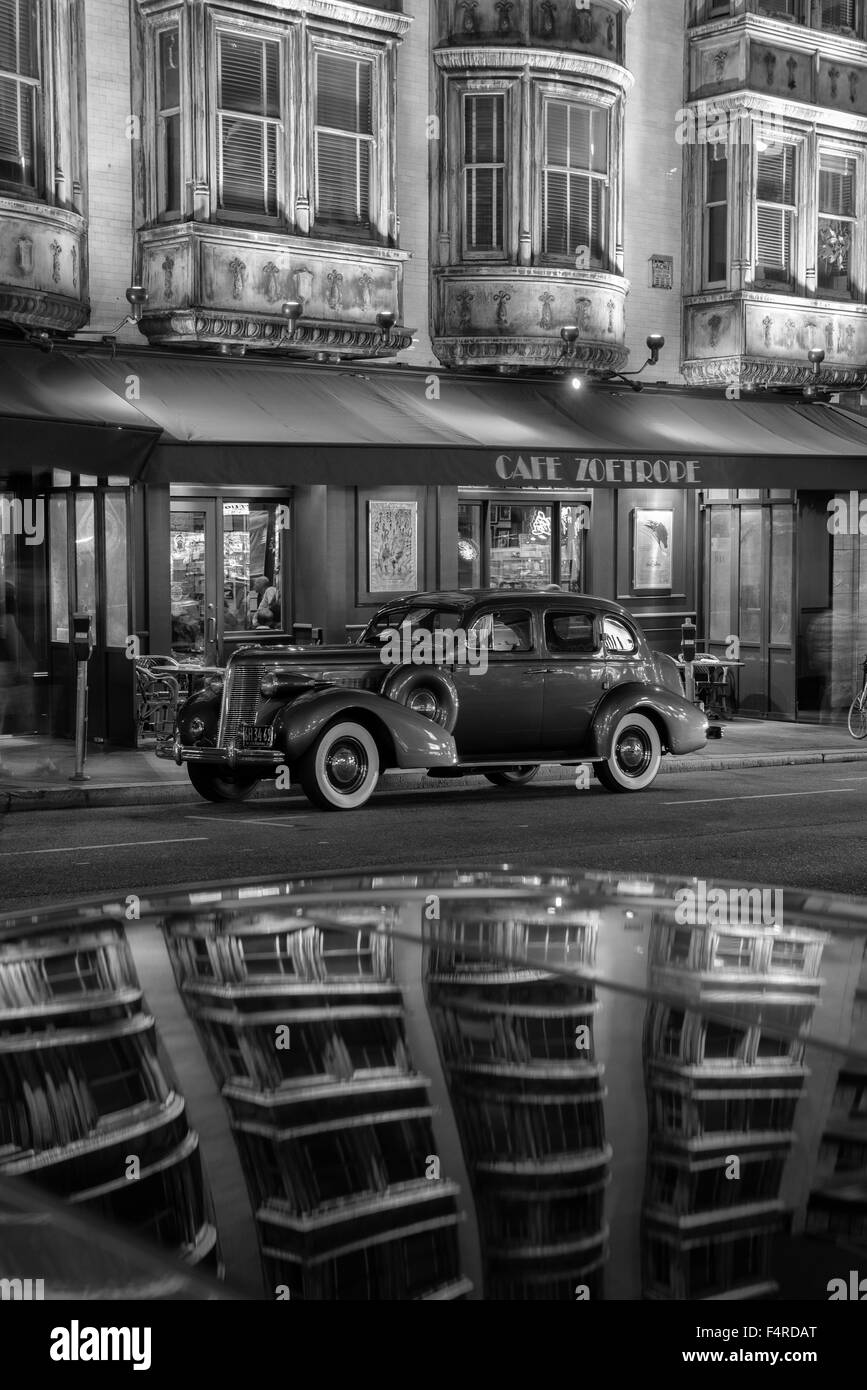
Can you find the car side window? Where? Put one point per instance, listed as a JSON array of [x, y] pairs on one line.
[[506, 630], [570, 633], [619, 641]]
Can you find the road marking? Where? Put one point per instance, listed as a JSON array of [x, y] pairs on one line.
[[245, 820], [757, 796], [118, 844], [850, 779]]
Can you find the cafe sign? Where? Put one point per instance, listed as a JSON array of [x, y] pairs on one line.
[[570, 469]]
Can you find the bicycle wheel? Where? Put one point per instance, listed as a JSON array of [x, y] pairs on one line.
[[858, 718]]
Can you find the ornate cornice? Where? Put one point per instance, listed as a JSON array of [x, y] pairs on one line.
[[43, 212], [492, 57], [765, 29], [257, 333], [388, 22], [527, 352], [756, 372], [753, 102], [37, 310], [179, 233]]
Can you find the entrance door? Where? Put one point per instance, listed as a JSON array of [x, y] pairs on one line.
[[227, 575]]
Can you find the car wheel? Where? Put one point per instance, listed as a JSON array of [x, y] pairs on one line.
[[512, 776], [219, 786], [857, 719], [341, 770], [427, 692], [636, 755]]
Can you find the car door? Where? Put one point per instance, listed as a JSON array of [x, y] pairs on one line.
[[575, 675], [501, 706]]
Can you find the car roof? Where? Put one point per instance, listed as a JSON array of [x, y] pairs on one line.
[[469, 597]]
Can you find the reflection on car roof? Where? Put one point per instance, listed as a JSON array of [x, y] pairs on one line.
[[465, 597]]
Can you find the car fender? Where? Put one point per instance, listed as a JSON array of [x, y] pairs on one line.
[[418, 742], [685, 724]]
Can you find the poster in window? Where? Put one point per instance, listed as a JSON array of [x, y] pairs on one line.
[[652, 542], [392, 547]]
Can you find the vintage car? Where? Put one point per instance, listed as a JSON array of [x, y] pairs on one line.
[[455, 683]]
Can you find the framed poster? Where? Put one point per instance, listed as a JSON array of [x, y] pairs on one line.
[[392, 547], [651, 549]]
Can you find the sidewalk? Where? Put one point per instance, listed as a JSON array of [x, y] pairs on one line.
[[35, 774]]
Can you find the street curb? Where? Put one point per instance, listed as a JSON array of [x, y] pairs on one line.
[[23, 798]]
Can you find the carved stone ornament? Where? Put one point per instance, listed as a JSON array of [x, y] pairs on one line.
[[834, 75], [271, 282], [56, 252], [767, 325], [548, 17], [584, 25], [714, 325], [720, 62], [611, 37], [829, 335], [335, 289], [611, 306], [464, 302], [302, 280], [239, 276], [546, 319], [853, 87], [770, 62], [365, 291], [501, 299], [792, 66], [470, 22], [73, 252], [24, 254], [582, 314], [168, 269], [791, 333], [504, 15]]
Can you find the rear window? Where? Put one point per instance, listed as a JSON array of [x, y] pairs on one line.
[[617, 637], [570, 632]]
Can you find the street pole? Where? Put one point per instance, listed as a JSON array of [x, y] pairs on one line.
[[80, 724]]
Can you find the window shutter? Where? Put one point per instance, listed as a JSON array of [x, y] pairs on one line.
[[17, 125], [484, 143], [557, 214], [838, 14], [344, 94], [772, 239], [776, 177], [18, 37], [249, 80]]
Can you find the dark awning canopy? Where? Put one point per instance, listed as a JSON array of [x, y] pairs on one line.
[[54, 413], [229, 422]]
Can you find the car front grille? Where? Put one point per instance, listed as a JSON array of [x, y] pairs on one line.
[[240, 700]]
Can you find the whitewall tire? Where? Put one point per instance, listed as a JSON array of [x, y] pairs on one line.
[[340, 772], [635, 758]]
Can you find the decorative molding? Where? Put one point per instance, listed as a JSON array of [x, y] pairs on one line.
[[24, 254], [753, 371], [586, 65], [238, 271], [168, 269], [259, 333], [391, 22], [520, 351], [48, 311], [271, 282]]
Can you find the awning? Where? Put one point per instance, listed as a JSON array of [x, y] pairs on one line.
[[54, 413], [257, 422]]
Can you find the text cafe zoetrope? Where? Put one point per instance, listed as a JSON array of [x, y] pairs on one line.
[[552, 468]]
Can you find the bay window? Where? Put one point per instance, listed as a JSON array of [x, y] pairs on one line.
[[19, 93], [836, 224], [168, 121], [716, 212], [344, 139], [776, 215], [575, 183], [484, 162], [249, 125]]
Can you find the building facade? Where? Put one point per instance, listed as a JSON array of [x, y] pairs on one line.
[[421, 192]]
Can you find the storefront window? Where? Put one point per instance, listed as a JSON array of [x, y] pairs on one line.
[[750, 625], [720, 576], [521, 546], [470, 546], [782, 559], [574, 525], [252, 567], [116, 571], [59, 570], [85, 554]]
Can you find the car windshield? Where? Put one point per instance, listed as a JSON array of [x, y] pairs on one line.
[[424, 618]]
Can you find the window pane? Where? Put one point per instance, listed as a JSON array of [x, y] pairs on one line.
[[484, 180], [343, 179], [470, 546], [17, 132], [574, 524], [252, 567], [750, 627], [188, 582], [249, 166], [18, 47], [170, 74], [59, 570], [776, 176], [782, 543], [116, 572], [521, 547], [344, 93], [720, 574], [249, 75], [837, 186]]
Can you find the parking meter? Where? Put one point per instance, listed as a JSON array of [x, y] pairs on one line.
[[82, 636], [82, 650], [688, 636]]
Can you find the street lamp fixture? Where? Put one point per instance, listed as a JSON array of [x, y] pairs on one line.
[[571, 336], [291, 312], [385, 322], [137, 297]]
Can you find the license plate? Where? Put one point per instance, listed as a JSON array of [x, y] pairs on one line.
[[257, 736]]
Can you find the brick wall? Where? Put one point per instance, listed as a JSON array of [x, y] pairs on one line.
[[109, 163], [653, 179]]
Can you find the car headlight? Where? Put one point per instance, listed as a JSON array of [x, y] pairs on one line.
[[268, 685], [196, 727]]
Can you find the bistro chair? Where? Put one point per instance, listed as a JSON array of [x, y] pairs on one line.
[[156, 702], [714, 685]]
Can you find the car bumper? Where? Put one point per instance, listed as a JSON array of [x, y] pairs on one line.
[[231, 755]]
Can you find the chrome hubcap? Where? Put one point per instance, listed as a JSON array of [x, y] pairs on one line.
[[346, 765], [633, 753]]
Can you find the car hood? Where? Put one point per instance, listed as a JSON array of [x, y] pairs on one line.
[[358, 667]]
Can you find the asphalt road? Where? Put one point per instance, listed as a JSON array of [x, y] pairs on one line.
[[794, 826]]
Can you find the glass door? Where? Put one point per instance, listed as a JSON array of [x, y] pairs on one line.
[[227, 575]]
